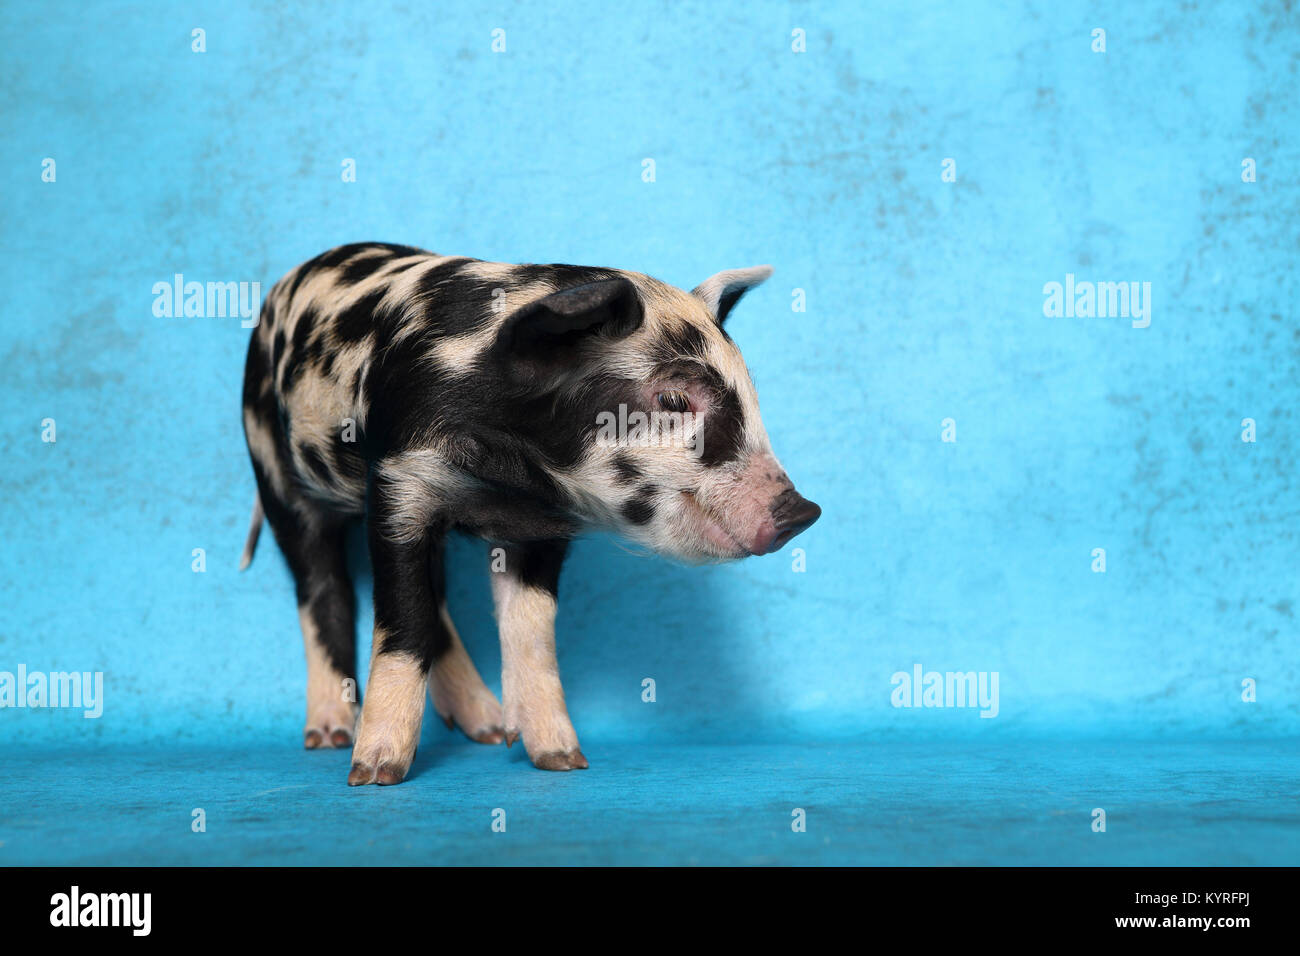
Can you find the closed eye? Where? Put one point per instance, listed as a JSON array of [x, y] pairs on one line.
[[674, 401]]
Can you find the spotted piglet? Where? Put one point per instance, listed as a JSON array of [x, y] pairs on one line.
[[521, 404]]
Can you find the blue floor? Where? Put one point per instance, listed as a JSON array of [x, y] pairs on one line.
[[887, 803]]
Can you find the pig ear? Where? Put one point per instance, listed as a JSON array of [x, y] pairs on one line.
[[722, 291], [554, 323]]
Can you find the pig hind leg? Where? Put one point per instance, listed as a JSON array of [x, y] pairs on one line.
[[458, 692], [313, 543], [326, 610]]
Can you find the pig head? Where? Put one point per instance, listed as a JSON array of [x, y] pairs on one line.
[[655, 431]]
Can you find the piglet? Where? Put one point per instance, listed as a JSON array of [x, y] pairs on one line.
[[522, 404]]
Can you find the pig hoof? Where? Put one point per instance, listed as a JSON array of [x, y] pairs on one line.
[[323, 738], [475, 711], [329, 726], [483, 733], [560, 760], [386, 774], [511, 737]]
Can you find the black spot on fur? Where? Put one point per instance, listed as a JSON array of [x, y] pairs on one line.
[[299, 277], [358, 320], [537, 565], [315, 349], [398, 270], [277, 351], [316, 464], [363, 267], [625, 470], [432, 279], [724, 428], [640, 509], [684, 341], [340, 254], [298, 348]]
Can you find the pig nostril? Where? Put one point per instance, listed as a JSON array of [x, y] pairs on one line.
[[796, 518]]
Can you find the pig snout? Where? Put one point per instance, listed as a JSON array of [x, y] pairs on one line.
[[756, 512], [770, 512], [791, 514]]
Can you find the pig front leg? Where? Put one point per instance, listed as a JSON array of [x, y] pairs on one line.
[[410, 635], [533, 700]]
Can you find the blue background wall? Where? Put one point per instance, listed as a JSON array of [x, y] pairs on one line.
[[924, 302]]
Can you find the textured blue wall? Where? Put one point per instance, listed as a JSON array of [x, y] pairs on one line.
[[924, 302]]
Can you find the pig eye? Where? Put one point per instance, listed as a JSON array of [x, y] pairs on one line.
[[674, 401]]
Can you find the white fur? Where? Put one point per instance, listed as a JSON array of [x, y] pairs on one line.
[[532, 697], [421, 485], [459, 694], [389, 729]]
